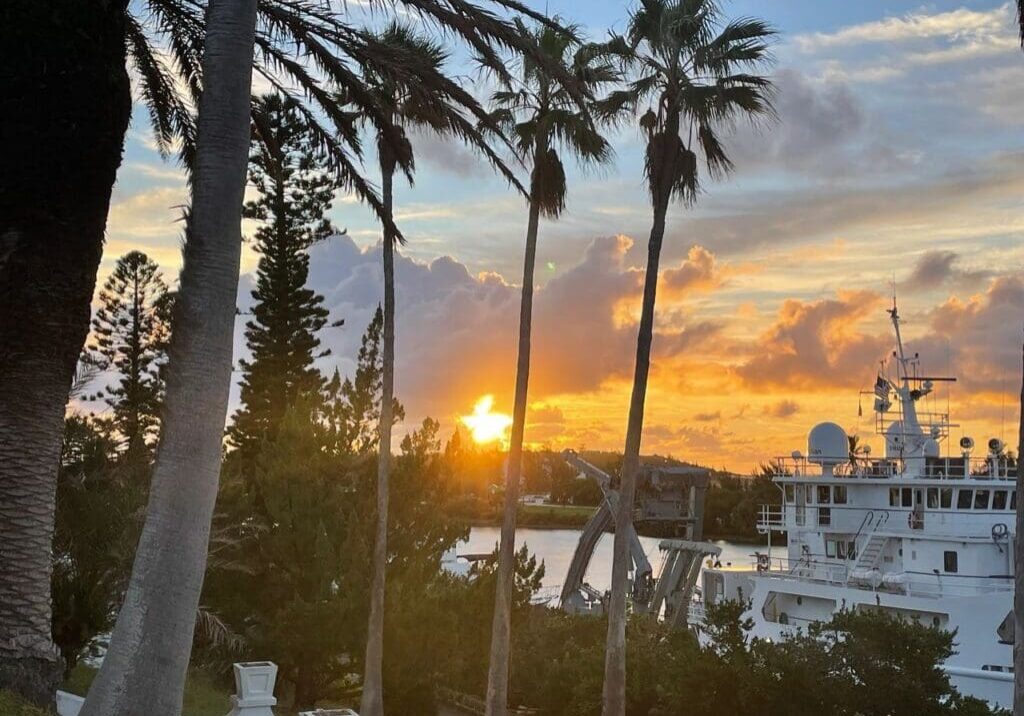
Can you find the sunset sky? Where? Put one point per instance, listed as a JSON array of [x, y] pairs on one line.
[[898, 155]]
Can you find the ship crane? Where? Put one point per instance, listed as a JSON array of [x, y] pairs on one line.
[[672, 498]]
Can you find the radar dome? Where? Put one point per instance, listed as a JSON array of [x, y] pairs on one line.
[[827, 444]]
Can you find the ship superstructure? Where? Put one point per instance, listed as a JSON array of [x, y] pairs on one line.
[[925, 532]]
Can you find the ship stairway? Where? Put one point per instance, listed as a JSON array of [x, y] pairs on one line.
[[869, 545]]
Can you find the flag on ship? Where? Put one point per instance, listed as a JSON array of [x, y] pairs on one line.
[[882, 387]]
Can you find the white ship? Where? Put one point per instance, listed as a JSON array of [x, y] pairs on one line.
[[919, 533]]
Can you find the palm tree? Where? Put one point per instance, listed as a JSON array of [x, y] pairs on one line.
[[67, 109], [144, 669], [692, 76], [70, 105], [434, 107], [543, 118]]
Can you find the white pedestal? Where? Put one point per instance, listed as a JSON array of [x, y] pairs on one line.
[[254, 689], [68, 704]]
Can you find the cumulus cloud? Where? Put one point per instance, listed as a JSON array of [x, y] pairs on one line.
[[457, 332], [816, 344], [697, 273], [980, 335]]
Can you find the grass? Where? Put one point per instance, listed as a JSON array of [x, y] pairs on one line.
[[554, 515], [203, 697], [11, 705]]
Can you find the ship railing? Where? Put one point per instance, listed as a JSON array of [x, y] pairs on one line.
[[944, 585], [953, 521], [770, 517], [992, 467], [806, 569]]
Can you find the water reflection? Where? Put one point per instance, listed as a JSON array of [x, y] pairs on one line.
[[555, 548]]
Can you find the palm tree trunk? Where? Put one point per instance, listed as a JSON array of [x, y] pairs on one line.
[[1018, 568], [66, 112], [373, 680], [501, 627], [614, 697], [144, 670]]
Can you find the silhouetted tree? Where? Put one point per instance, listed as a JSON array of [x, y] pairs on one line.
[[547, 123], [295, 195], [130, 332], [697, 73]]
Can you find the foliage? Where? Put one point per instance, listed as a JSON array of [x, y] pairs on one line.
[[293, 575], [11, 705], [696, 73], [543, 116], [352, 406], [130, 333], [732, 504], [313, 47], [294, 197], [847, 667]]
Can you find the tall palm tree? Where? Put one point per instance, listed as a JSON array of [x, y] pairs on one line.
[[434, 106], [66, 111], [71, 102], [696, 72], [545, 122], [144, 669]]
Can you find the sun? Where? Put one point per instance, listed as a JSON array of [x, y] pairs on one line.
[[485, 425]]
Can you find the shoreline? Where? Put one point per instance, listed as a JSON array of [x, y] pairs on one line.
[[576, 526]]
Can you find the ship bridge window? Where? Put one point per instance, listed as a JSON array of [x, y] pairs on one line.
[[839, 494], [999, 500], [907, 497], [933, 498], [790, 491], [824, 497], [946, 497], [894, 497], [1013, 499], [963, 499], [949, 561], [981, 499]]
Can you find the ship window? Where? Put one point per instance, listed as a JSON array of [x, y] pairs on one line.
[[839, 494], [824, 516], [1013, 499], [823, 495], [894, 497], [963, 499], [981, 499], [933, 498], [830, 548], [841, 550], [789, 494], [949, 561], [946, 497], [907, 497], [999, 500]]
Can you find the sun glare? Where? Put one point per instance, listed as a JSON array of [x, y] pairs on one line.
[[485, 425]]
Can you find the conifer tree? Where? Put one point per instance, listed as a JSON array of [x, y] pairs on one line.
[[295, 194], [131, 329]]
